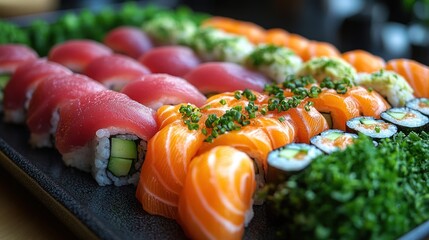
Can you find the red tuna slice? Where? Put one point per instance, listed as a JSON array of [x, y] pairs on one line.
[[77, 54], [216, 77], [130, 41], [173, 60], [49, 95], [82, 117], [12, 55], [155, 90], [114, 71], [18, 90]]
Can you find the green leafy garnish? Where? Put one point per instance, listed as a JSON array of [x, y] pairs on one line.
[[363, 192]]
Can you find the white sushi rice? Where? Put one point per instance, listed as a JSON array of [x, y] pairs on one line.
[[18, 116], [46, 139], [293, 165], [40, 140], [14, 116]]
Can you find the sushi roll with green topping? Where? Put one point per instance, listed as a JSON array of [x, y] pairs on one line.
[[333, 68], [373, 128], [406, 119], [333, 140], [274, 61], [389, 84], [290, 159], [215, 45], [167, 29], [419, 104]]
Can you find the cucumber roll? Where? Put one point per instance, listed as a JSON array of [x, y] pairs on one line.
[[419, 104], [373, 128], [406, 119], [333, 140], [290, 159]]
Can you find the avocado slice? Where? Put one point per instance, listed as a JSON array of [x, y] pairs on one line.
[[119, 167], [367, 121], [122, 148], [397, 115], [288, 153], [333, 135]]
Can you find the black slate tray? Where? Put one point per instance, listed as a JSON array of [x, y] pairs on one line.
[[90, 211], [94, 212]]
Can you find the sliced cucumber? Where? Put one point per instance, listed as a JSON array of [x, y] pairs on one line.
[[288, 153], [122, 148], [367, 121], [3, 80], [397, 115], [333, 135], [119, 167]]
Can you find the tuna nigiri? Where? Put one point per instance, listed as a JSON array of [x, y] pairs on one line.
[[131, 41], [13, 55], [77, 54], [18, 90], [98, 133], [216, 200], [50, 94], [215, 77], [172, 60], [416, 74], [155, 90], [114, 71]]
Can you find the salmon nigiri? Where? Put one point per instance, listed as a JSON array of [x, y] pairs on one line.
[[281, 37], [364, 61], [319, 49], [216, 200], [338, 108], [254, 33], [416, 74], [251, 140], [308, 123], [370, 103], [163, 173]]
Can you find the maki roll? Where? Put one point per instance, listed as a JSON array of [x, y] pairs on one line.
[[406, 119], [290, 159], [371, 127], [333, 140], [97, 134], [419, 104]]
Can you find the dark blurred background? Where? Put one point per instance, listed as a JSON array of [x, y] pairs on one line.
[[388, 28]]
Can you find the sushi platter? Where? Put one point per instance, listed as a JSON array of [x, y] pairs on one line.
[[163, 123]]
